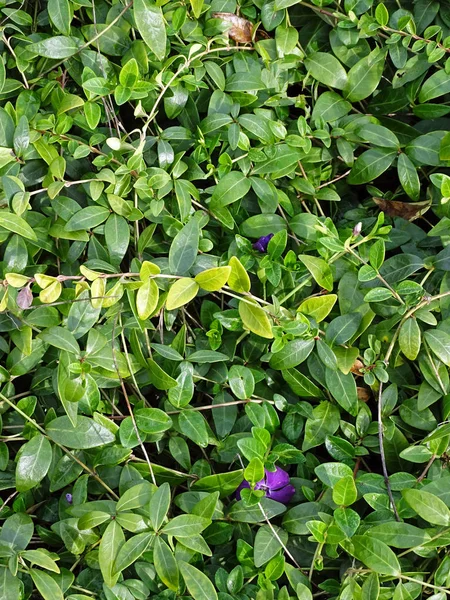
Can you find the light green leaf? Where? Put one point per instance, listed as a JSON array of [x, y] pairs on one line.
[[428, 506], [181, 292], [319, 270], [12, 222], [255, 319]]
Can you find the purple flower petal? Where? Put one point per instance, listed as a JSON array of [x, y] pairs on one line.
[[69, 498], [244, 484], [262, 243], [283, 495], [277, 479]]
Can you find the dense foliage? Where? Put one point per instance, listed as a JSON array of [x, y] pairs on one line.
[[224, 342]]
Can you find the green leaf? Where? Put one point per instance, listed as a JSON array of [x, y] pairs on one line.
[[193, 425], [158, 377], [34, 462], [17, 531], [374, 553], [343, 328], [399, 535], [16, 224], [9, 585], [428, 506], [213, 279], [152, 420], [293, 353], [409, 338], [364, 76], [132, 549], [326, 69], [238, 279], [46, 585], [150, 23], [112, 540], [255, 319], [370, 165], [300, 384], [87, 218], [344, 492], [184, 248], [382, 15], [61, 338], [41, 559], [159, 505], [186, 525], [165, 564], [241, 381], [407, 174], [58, 47], [439, 343], [198, 584], [330, 106], [436, 85], [267, 544], [259, 225], [86, 434], [231, 188], [254, 471], [319, 270], [181, 292]]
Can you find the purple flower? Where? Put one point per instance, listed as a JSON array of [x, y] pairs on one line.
[[275, 484], [262, 243], [69, 498]]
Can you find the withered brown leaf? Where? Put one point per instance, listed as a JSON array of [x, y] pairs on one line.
[[363, 394], [405, 210], [241, 30]]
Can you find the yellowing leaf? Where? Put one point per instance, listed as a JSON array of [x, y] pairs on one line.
[[147, 299], [255, 319], [16, 280], [319, 307], [147, 269], [44, 281], [238, 280], [88, 273], [181, 292], [98, 289], [51, 293], [214, 279], [114, 295]]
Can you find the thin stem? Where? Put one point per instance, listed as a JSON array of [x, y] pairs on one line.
[[383, 456], [68, 452]]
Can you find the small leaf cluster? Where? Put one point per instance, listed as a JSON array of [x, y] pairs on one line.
[[224, 253]]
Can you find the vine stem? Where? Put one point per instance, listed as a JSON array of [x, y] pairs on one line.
[[66, 450], [89, 42], [185, 65], [382, 453]]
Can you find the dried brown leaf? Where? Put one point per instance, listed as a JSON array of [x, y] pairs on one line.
[[405, 210], [363, 394], [356, 367], [241, 30]]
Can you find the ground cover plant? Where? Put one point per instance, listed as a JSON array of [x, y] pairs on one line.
[[225, 300]]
